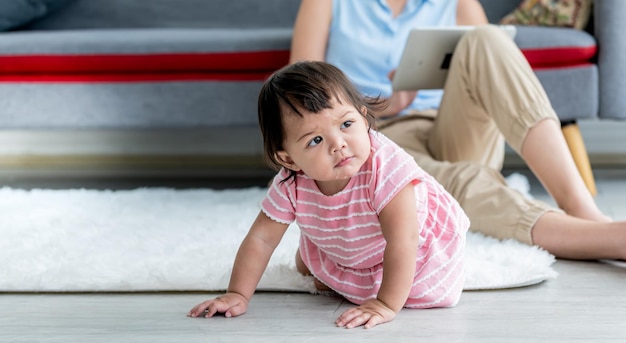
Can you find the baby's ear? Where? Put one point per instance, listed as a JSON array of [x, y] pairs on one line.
[[285, 160]]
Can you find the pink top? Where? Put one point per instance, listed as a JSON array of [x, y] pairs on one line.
[[341, 239]]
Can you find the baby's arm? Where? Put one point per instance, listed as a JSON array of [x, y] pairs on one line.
[[252, 259], [399, 224]]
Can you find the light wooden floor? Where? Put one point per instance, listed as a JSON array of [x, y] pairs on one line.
[[586, 303]]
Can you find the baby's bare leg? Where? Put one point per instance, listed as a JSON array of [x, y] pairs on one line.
[[302, 269]]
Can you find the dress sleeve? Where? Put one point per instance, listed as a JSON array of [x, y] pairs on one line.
[[280, 202], [392, 170]]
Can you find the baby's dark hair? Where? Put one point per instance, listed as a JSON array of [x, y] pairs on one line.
[[305, 86]]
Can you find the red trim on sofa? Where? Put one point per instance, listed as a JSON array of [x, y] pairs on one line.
[[126, 78], [219, 62], [171, 77], [569, 66], [239, 66], [559, 56]]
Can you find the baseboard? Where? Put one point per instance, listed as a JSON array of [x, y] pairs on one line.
[[202, 152]]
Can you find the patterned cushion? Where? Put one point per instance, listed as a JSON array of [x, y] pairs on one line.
[[566, 13]]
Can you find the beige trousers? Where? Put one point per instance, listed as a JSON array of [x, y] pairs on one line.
[[491, 95]]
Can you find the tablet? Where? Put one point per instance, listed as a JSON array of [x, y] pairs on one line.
[[427, 55]]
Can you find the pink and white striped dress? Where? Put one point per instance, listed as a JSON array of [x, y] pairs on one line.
[[341, 240]]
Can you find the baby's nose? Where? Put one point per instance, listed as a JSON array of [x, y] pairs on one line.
[[339, 144]]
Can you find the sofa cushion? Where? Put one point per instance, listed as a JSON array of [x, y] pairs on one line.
[[144, 51], [115, 14], [573, 92], [497, 9], [146, 105], [14, 13], [554, 46]]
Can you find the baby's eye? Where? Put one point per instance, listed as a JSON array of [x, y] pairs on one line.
[[347, 123], [315, 141]]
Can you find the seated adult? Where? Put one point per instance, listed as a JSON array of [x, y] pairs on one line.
[[458, 134]]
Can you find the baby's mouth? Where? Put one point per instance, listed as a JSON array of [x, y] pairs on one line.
[[344, 161]]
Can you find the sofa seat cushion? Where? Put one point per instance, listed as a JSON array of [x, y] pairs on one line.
[[555, 47], [573, 91], [234, 51], [129, 105]]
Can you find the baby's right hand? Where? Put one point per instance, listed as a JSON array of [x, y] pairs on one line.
[[231, 304]]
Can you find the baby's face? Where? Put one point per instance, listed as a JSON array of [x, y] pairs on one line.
[[329, 147]]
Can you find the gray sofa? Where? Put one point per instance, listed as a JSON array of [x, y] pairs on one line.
[[196, 66], [578, 88]]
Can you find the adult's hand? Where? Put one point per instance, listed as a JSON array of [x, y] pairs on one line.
[[398, 101]]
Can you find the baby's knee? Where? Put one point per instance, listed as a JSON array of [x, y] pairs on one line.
[[304, 270], [320, 286]]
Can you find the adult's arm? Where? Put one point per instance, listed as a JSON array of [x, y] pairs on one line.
[[470, 12], [311, 30]]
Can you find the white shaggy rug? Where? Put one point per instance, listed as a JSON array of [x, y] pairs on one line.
[[159, 239]]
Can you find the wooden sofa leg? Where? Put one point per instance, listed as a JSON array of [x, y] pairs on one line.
[[576, 145]]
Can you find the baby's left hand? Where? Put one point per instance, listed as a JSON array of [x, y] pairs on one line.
[[370, 313]]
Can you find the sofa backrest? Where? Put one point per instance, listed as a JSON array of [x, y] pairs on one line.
[[81, 14], [497, 9]]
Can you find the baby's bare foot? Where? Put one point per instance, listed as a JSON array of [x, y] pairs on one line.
[[320, 286]]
